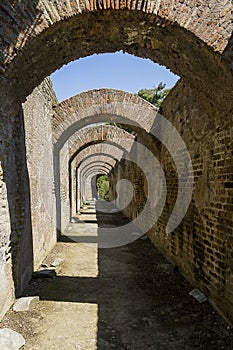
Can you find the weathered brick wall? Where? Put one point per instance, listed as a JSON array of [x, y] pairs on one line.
[[202, 245], [193, 39], [206, 233], [7, 285], [16, 261], [97, 149], [64, 188], [23, 210], [39, 149]]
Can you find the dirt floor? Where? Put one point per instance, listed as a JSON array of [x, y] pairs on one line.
[[117, 298]]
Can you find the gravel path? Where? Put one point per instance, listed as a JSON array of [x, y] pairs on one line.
[[119, 298]]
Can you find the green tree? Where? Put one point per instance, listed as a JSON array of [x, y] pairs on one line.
[[155, 95], [103, 187]]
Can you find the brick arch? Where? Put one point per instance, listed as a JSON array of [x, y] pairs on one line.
[[94, 172], [112, 105], [87, 189], [177, 35], [98, 164], [99, 138], [101, 105], [97, 171], [80, 141], [100, 149], [90, 154], [89, 168], [95, 134], [96, 167], [97, 159]]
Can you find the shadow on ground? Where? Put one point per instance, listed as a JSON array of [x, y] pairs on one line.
[[142, 302]]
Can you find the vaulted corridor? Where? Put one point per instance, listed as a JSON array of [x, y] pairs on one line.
[[161, 158], [120, 298]]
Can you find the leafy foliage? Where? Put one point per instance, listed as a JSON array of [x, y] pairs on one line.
[[155, 95], [103, 187]]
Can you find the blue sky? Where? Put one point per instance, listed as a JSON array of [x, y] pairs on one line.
[[112, 70]]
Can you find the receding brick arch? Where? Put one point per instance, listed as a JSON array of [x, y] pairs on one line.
[[102, 159], [101, 149], [88, 181], [88, 190], [95, 165], [103, 105], [101, 133], [99, 167], [80, 141], [88, 157], [109, 105], [107, 138], [91, 191], [97, 171], [65, 175], [177, 35]]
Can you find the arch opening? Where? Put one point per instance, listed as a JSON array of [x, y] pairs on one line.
[[178, 39]]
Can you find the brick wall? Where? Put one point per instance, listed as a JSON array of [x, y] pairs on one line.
[[193, 39], [37, 116], [15, 219], [201, 245], [7, 284]]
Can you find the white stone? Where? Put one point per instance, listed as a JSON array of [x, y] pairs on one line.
[[11, 340], [198, 295], [56, 262], [23, 304]]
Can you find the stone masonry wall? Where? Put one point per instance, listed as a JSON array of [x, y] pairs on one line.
[[202, 245], [64, 187], [37, 116], [16, 263], [7, 289], [192, 38]]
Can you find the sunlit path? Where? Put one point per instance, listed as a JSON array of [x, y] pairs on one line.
[[128, 297]]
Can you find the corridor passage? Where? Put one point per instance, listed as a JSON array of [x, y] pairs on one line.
[[127, 297]]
